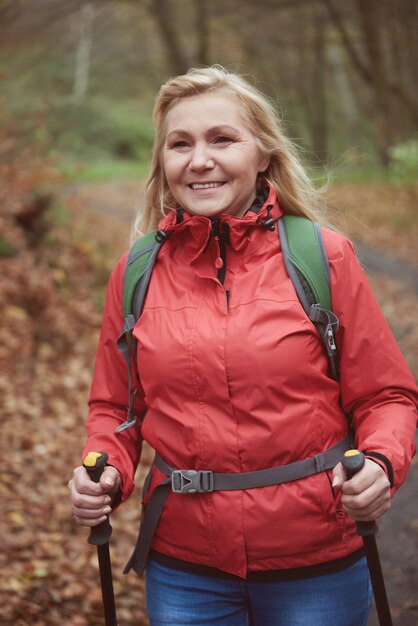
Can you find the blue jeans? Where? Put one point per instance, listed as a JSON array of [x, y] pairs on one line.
[[176, 598]]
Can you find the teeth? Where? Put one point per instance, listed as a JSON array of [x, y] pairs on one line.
[[205, 185]]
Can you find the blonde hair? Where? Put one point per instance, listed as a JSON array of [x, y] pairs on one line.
[[296, 192]]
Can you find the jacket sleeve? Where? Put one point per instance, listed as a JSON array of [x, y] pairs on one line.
[[108, 399], [377, 388]]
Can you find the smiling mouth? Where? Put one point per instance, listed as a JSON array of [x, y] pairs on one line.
[[206, 185]]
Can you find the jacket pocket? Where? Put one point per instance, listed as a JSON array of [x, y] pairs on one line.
[[336, 511]]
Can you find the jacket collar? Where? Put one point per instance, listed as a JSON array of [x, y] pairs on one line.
[[255, 208], [259, 202], [193, 235], [200, 227]]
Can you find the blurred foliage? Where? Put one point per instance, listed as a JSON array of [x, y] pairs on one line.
[[94, 129], [6, 248], [403, 167], [79, 136], [79, 77], [53, 274]]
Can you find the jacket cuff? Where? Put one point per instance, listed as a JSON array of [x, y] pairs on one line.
[[384, 463]]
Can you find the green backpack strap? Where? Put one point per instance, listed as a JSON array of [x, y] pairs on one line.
[[307, 264], [138, 270], [139, 265]]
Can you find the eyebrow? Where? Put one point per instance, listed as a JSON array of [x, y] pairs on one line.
[[220, 128]]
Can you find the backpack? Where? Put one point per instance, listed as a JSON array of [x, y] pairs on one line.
[[306, 263]]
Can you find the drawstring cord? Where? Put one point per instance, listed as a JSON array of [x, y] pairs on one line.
[[268, 223]]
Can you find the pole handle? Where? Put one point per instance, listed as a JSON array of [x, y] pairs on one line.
[[95, 463], [353, 461]]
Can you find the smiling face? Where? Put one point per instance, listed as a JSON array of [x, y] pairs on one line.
[[210, 157]]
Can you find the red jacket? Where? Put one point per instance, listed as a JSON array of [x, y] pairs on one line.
[[239, 383]]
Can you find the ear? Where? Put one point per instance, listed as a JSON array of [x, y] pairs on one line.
[[264, 163]]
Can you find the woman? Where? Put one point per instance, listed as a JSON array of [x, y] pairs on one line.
[[234, 379]]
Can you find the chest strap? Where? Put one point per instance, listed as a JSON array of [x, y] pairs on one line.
[[189, 481]]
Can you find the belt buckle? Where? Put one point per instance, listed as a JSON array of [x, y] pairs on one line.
[[191, 481]]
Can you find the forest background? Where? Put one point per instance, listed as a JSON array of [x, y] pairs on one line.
[[78, 81]]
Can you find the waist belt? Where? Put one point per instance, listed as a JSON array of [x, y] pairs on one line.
[[190, 481]]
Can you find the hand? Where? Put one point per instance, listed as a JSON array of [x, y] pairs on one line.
[[366, 496], [91, 502]]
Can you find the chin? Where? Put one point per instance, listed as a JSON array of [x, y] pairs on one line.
[[206, 211]]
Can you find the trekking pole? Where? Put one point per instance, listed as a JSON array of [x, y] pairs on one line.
[[353, 461], [94, 463]]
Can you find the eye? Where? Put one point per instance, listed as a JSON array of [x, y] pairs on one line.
[[180, 144], [223, 139]]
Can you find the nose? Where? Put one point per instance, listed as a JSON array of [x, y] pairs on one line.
[[200, 158]]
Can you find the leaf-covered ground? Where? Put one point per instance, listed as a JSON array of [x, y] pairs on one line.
[[54, 262]]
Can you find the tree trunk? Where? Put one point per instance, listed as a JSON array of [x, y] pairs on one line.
[[202, 30], [318, 90], [343, 86], [83, 53], [370, 15], [162, 11]]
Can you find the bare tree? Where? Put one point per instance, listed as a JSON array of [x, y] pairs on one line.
[[84, 26], [183, 51], [317, 104], [202, 31], [163, 13], [342, 85], [366, 47]]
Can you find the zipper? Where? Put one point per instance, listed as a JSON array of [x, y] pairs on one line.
[[220, 231]]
